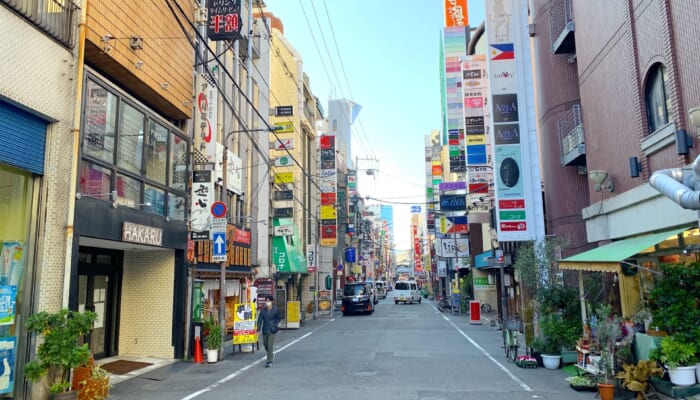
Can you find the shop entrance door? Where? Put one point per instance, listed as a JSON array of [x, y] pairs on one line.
[[97, 277]]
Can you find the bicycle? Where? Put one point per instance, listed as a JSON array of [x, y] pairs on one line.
[[510, 342]]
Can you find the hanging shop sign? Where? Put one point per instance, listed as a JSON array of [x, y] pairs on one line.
[[224, 19]]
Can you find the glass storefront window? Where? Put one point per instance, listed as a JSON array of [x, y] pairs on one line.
[[156, 198], [130, 146], [176, 207], [178, 163], [128, 191], [94, 181], [15, 206], [156, 152], [100, 122]]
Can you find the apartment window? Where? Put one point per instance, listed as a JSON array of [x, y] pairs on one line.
[[95, 181], [178, 163], [156, 198], [128, 190], [658, 103]]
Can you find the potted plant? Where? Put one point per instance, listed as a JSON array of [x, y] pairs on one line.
[[559, 335], [582, 383], [61, 350], [678, 355], [635, 377], [606, 329], [213, 339]]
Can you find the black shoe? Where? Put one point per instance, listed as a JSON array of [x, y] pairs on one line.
[[267, 364]]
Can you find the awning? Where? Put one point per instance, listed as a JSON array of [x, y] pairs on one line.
[[607, 258]]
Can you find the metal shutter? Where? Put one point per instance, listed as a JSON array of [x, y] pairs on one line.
[[22, 138]]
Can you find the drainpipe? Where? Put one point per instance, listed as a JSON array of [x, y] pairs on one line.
[[80, 66], [682, 185]]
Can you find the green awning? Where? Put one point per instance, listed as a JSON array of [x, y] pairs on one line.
[[607, 257]]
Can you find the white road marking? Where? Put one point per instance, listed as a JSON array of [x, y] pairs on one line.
[[520, 383], [247, 367]]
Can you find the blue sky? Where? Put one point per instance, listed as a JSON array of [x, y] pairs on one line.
[[389, 51]]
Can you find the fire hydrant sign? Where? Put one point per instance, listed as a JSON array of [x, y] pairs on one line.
[[244, 321]]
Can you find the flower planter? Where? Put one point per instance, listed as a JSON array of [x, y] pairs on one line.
[[697, 372], [526, 364], [682, 376], [551, 361], [569, 356]]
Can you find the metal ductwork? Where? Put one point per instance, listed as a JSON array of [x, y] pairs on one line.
[[682, 185]]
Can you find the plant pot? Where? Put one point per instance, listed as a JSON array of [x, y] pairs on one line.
[[71, 395], [682, 376], [606, 390], [697, 372], [212, 355], [551, 361], [569, 356]]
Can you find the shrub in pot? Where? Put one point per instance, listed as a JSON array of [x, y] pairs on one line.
[[635, 377], [62, 348]]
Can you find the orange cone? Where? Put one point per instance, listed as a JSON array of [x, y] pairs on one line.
[[198, 351]]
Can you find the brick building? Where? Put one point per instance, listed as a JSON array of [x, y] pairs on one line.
[[614, 87]]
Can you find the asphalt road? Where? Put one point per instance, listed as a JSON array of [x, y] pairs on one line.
[[404, 351]]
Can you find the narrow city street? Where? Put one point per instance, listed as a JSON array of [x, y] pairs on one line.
[[406, 352]]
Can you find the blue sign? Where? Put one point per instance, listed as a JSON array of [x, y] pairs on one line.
[[219, 243], [415, 209], [453, 202], [340, 267], [350, 254]]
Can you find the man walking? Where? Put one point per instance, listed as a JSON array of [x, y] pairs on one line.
[[268, 318]]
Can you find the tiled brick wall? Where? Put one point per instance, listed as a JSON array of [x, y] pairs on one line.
[[38, 73], [146, 317]]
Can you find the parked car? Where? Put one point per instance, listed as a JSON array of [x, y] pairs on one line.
[[357, 298], [375, 296], [381, 289], [406, 292]]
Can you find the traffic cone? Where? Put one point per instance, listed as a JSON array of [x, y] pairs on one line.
[[198, 350]]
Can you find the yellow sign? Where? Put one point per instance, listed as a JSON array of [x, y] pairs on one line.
[[244, 321], [284, 127], [293, 314], [329, 212], [329, 242], [284, 177]]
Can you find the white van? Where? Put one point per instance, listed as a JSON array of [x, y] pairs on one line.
[[406, 291]]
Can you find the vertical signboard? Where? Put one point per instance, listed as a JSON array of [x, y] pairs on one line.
[[519, 213], [202, 199], [329, 187], [454, 41], [456, 13], [478, 149], [205, 118]]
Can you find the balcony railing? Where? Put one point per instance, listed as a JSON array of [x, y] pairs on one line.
[[571, 137], [561, 27], [55, 17]]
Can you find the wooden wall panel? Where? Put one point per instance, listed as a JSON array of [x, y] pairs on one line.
[[160, 74]]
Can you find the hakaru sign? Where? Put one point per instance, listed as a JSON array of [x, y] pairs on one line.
[[142, 234]]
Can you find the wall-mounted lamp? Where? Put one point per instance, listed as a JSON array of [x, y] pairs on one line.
[[112, 195], [635, 167], [683, 142], [601, 180]]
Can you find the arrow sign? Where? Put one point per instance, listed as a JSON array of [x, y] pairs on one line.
[[219, 248]]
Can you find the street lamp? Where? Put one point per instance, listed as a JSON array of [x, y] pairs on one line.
[[223, 264]]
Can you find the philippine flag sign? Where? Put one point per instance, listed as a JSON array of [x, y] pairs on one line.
[[502, 51]]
